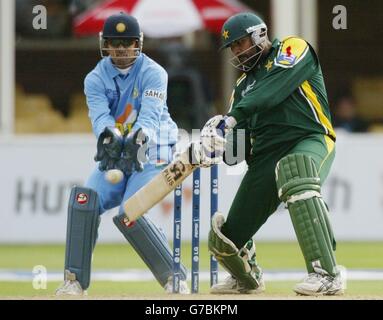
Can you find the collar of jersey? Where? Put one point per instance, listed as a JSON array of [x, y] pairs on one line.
[[274, 45], [114, 72]]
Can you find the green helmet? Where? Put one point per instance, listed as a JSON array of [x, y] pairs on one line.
[[239, 26]]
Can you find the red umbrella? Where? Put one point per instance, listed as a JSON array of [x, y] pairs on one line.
[[161, 18]]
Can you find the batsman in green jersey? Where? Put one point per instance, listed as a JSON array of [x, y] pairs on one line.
[[280, 101]]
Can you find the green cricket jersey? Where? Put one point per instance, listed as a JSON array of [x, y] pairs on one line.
[[283, 98]]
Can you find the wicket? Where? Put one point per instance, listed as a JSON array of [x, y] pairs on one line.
[[195, 230]]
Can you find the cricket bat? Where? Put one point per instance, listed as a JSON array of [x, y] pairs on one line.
[[159, 187]]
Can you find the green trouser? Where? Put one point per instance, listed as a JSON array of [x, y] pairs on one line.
[[257, 196]]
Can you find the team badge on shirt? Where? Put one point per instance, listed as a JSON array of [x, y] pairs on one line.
[[291, 51], [135, 93], [269, 65], [286, 58]]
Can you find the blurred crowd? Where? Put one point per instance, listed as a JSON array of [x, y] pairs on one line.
[[345, 115], [192, 97]]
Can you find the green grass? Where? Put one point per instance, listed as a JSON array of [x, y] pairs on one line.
[[271, 255], [352, 255]]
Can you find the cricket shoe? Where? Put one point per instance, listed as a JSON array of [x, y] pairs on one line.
[[70, 287], [316, 284], [184, 289], [232, 286]]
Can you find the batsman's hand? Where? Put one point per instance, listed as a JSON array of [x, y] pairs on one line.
[[197, 156], [133, 152], [109, 147], [213, 135]]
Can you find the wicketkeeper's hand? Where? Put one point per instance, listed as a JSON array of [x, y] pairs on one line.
[[133, 152], [213, 135], [109, 147]]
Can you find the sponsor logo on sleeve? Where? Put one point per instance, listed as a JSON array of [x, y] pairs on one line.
[[154, 94]]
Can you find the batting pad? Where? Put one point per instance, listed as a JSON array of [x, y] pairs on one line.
[[239, 263], [298, 186]]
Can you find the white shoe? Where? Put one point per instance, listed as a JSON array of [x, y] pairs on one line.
[[184, 289], [70, 287], [231, 286], [316, 284]]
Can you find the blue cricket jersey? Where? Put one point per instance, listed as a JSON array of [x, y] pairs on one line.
[[132, 101]]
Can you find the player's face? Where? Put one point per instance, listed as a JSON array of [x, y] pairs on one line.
[[243, 48], [122, 51], [245, 53]]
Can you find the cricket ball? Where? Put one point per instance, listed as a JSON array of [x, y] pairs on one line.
[[114, 176]]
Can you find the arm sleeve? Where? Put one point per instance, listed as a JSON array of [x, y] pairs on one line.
[[152, 103], [278, 84], [98, 105]]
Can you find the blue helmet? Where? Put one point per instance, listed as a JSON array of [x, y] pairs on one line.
[[121, 26]]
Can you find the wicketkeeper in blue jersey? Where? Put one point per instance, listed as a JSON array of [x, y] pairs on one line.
[[126, 97]]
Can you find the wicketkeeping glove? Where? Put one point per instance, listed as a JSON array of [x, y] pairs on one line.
[[133, 152], [109, 147]]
